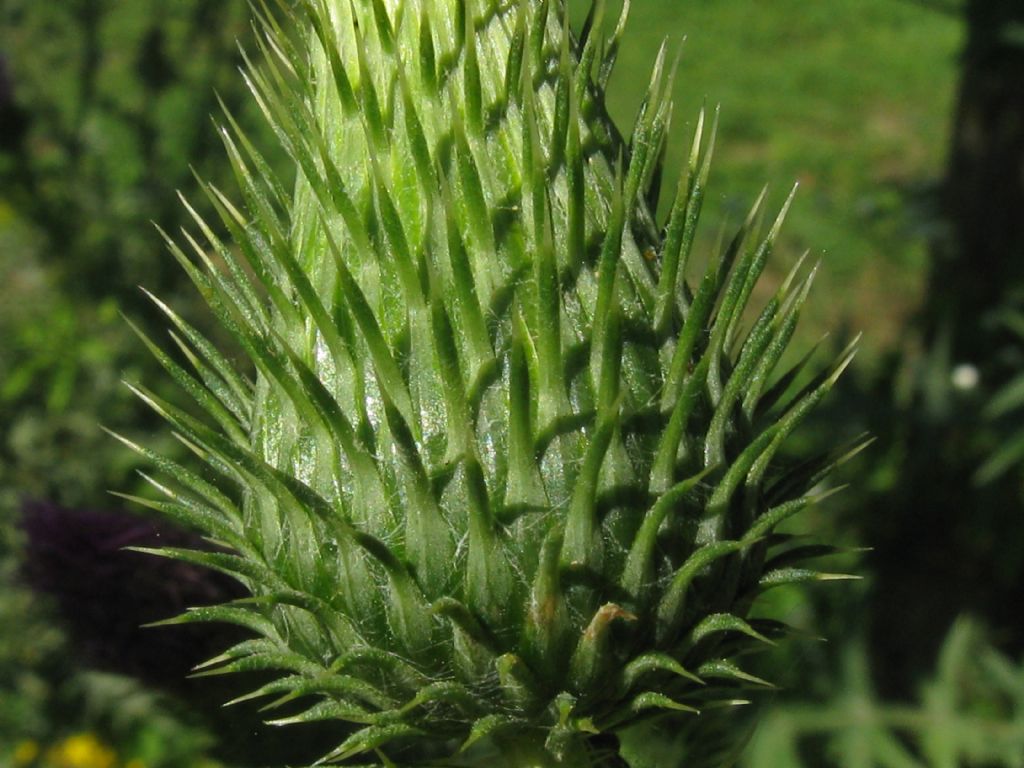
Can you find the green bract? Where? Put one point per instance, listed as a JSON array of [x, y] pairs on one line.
[[503, 483]]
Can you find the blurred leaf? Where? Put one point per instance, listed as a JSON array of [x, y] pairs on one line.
[[971, 713]]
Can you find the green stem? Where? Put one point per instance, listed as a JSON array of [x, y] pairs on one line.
[[523, 753]]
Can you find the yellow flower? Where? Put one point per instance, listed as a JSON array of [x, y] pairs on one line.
[[26, 752], [83, 750]]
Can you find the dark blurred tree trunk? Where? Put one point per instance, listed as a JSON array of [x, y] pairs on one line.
[[943, 545], [983, 197]]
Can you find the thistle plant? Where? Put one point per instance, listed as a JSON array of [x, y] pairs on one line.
[[503, 483]]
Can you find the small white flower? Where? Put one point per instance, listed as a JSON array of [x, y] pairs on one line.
[[965, 377]]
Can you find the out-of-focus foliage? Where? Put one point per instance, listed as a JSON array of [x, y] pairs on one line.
[[62, 359], [53, 715], [1004, 412], [114, 101], [103, 106], [26, 688], [106, 107], [969, 714]]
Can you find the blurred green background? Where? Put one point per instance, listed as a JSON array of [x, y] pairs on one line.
[[903, 123]]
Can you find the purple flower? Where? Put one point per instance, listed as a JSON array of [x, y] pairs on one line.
[[104, 593]]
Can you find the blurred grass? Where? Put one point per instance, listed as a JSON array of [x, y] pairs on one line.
[[851, 99]]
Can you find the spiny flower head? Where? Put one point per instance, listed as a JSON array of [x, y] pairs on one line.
[[504, 482]]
